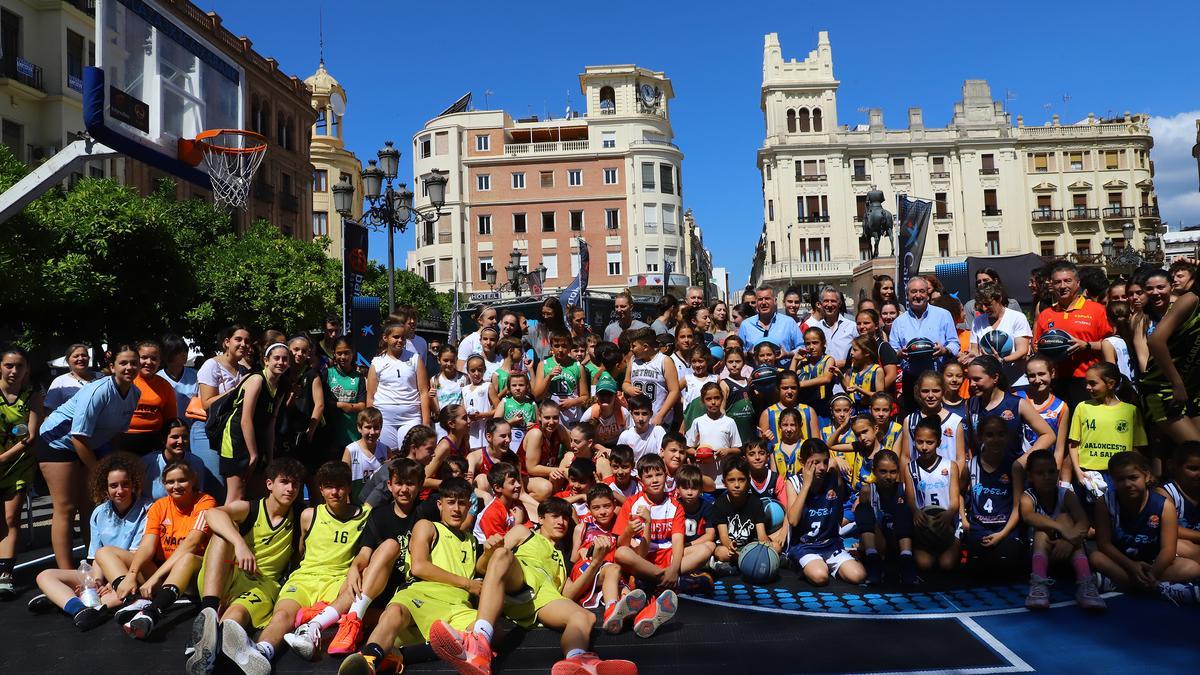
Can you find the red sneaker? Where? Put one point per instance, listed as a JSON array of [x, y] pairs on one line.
[[588, 663], [629, 605], [658, 612], [307, 614], [349, 634], [469, 653]]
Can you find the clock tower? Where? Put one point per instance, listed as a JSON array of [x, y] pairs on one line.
[[330, 158]]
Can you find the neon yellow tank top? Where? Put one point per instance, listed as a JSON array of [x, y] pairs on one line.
[[538, 554], [272, 546], [330, 544]]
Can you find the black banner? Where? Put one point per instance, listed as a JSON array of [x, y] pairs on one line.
[[365, 317], [354, 256], [913, 215]]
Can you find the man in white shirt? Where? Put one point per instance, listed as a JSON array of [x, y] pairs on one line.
[[839, 330]]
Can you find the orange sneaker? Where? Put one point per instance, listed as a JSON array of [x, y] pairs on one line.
[[307, 614], [588, 663], [629, 605], [660, 610], [349, 634], [469, 653]]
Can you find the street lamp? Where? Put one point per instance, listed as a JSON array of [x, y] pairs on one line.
[[515, 274], [791, 259], [1129, 258], [390, 206]]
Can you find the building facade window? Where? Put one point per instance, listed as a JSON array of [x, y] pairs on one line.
[[546, 178], [666, 178], [990, 207], [574, 177], [320, 224], [547, 221], [771, 209], [993, 243], [648, 177], [650, 218], [608, 139], [1112, 159], [803, 122], [1075, 160], [441, 143], [940, 202], [944, 245], [484, 224], [577, 221], [518, 180], [428, 272], [817, 124], [519, 223], [612, 219], [988, 163], [320, 180], [551, 263], [608, 100], [610, 177], [1083, 246], [614, 264], [668, 219], [791, 121], [483, 182], [653, 260], [483, 143], [574, 264], [425, 146], [485, 264], [1047, 248]]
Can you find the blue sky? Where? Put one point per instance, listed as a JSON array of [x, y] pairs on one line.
[[403, 62]]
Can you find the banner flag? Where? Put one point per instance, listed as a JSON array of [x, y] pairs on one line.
[[354, 267], [573, 293], [913, 216]]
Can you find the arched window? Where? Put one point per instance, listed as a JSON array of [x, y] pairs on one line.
[[816, 119], [321, 125], [608, 98], [256, 115], [804, 120], [281, 131], [791, 121]]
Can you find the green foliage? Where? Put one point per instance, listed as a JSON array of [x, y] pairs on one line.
[[411, 289]]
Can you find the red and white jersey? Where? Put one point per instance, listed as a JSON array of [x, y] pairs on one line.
[[592, 530], [666, 519], [634, 487], [495, 519]]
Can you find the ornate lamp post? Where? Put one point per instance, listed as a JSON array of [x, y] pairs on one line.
[[515, 274]]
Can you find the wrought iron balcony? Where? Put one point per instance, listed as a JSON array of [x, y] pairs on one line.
[[23, 71], [1119, 212], [992, 211], [1082, 213], [1043, 215], [861, 177], [989, 171]]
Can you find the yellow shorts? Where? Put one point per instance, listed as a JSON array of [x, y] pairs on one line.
[[307, 590], [523, 606], [428, 602], [257, 596]]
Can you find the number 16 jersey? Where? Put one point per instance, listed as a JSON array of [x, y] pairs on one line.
[[331, 543]]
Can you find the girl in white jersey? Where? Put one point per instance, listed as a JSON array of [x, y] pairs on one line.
[[448, 384], [477, 402], [398, 386], [931, 483], [1039, 371], [952, 441], [654, 375]]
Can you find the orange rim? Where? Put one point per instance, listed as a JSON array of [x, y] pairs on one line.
[[191, 150]]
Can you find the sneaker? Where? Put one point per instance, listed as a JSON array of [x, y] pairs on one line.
[[1087, 596], [908, 571], [874, 565], [87, 619], [1180, 594], [723, 569], [349, 634], [1103, 583], [588, 663], [305, 641], [658, 612], [204, 642], [469, 653], [8, 590], [629, 605], [139, 626], [40, 604], [696, 583], [307, 614], [130, 610], [357, 664], [1039, 592], [238, 648]]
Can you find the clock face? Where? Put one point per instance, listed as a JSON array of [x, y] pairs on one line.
[[649, 95], [338, 104]]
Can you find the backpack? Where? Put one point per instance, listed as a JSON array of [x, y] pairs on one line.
[[221, 410]]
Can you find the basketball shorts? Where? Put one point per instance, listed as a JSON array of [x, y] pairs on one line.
[[591, 598], [539, 591], [832, 555], [309, 589], [1160, 407], [429, 601], [16, 474], [256, 596]]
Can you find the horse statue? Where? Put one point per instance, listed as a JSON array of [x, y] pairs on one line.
[[877, 221]]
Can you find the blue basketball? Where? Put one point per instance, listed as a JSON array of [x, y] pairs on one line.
[[1054, 344], [996, 343], [764, 378], [920, 347], [759, 563], [774, 513]]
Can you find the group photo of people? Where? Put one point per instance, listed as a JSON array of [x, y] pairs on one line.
[[412, 503]]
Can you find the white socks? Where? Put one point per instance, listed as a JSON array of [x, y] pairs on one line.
[[484, 629], [360, 605], [326, 618]]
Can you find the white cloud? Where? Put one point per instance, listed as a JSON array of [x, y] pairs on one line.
[[1175, 178]]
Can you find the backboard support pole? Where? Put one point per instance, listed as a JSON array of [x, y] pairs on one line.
[[52, 172]]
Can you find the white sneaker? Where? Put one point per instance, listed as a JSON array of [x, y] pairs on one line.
[[1180, 594], [237, 647], [124, 614], [305, 641], [204, 643]]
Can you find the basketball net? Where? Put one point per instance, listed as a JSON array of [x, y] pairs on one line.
[[231, 157]]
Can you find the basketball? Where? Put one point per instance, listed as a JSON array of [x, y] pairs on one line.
[[705, 454], [758, 562], [1054, 344], [934, 538], [764, 377], [920, 347], [775, 515], [996, 343]]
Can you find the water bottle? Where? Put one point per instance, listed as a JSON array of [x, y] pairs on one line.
[[20, 432], [90, 595]]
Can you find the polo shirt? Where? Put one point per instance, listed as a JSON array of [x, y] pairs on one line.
[[97, 412], [1084, 320], [781, 331]]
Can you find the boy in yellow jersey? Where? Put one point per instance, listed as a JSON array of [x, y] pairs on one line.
[[535, 590], [443, 565], [246, 561], [315, 595]]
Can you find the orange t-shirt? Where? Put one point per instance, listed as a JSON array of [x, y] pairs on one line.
[[1084, 320], [156, 405], [171, 525], [964, 346]]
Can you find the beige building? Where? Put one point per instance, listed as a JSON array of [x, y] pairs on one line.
[[330, 158], [998, 189], [610, 175], [46, 44]]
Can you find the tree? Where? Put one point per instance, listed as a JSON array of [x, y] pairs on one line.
[[264, 279], [411, 289]]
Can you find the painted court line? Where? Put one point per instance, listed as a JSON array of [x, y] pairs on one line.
[[999, 647], [48, 556], [875, 617]]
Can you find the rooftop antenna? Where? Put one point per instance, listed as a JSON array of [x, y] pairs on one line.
[[1066, 108], [1047, 107], [321, 32], [487, 93]]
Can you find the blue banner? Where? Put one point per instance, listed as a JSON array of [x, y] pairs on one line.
[[573, 293], [913, 215]]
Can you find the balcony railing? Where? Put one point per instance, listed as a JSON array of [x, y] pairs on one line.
[[992, 211], [814, 218], [1120, 212], [289, 202], [812, 177], [1148, 211], [939, 174], [1077, 258], [23, 71], [944, 215], [1081, 213], [861, 177], [610, 110], [444, 237], [86, 6], [1044, 215], [516, 149], [901, 176], [985, 171], [823, 269]]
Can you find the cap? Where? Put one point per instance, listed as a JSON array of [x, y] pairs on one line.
[[606, 383]]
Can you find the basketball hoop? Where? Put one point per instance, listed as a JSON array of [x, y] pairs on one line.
[[230, 158]]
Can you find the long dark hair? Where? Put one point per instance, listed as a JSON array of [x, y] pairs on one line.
[[559, 321], [876, 295]]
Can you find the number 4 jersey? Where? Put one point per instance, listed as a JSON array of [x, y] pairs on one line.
[[990, 499]]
